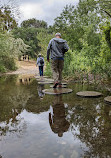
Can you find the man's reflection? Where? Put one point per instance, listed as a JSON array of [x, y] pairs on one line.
[[57, 120], [40, 88]]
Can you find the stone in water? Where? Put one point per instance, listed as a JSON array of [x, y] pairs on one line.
[[108, 99], [45, 82], [89, 94], [63, 86], [57, 91]]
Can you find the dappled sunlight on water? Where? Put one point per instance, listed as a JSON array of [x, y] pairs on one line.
[[38, 126]]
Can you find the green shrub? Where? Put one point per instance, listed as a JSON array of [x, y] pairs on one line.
[[7, 63], [48, 71]]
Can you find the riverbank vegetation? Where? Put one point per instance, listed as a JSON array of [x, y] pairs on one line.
[[9, 46], [87, 28]]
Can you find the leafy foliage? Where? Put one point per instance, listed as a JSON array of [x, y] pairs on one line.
[[10, 48], [29, 36], [88, 33], [7, 20], [34, 23], [44, 37]]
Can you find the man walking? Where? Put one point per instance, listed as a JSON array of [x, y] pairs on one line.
[[56, 49]]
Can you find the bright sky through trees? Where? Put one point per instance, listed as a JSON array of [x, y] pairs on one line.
[[45, 10]]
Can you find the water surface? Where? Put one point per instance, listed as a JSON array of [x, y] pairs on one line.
[[34, 125]]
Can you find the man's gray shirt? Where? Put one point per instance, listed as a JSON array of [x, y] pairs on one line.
[[57, 47]]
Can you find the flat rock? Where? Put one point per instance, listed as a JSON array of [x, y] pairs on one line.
[[92, 94], [39, 77], [57, 91], [45, 78], [48, 82], [64, 83], [63, 86], [108, 99], [45, 82]]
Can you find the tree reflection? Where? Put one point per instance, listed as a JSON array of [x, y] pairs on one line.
[[14, 97], [57, 120], [93, 120], [89, 119]]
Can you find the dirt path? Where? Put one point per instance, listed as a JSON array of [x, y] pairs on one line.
[[25, 68]]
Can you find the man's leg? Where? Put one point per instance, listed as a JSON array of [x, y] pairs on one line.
[[60, 68], [54, 66]]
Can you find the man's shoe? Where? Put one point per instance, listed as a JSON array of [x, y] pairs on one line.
[[60, 85], [56, 84]]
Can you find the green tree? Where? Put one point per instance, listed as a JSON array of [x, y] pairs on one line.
[[34, 23], [73, 23], [44, 37], [9, 50], [29, 36], [102, 5], [7, 20], [81, 27]]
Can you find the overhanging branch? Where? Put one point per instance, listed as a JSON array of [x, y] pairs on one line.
[[107, 13]]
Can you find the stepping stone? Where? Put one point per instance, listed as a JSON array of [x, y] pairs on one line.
[[44, 82], [57, 91], [89, 94], [45, 77], [49, 82], [108, 99], [63, 86], [64, 83]]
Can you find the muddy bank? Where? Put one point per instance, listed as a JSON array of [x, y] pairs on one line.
[[25, 67]]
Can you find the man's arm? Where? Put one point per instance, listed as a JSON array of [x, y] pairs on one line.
[[48, 50], [66, 47]]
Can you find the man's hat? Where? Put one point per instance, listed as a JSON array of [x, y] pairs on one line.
[[58, 34]]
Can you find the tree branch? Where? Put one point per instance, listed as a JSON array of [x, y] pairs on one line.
[[107, 13]]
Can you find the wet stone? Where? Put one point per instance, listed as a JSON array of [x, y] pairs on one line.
[[37, 76], [63, 86], [49, 82], [57, 91], [108, 99], [45, 82], [89, 94]]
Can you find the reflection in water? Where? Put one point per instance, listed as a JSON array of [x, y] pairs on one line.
[[92, 119], [86, 123], [57, 120], [25, 80], [40, 88]]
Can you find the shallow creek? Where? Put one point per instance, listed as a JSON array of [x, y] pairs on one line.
[[34, 125]]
